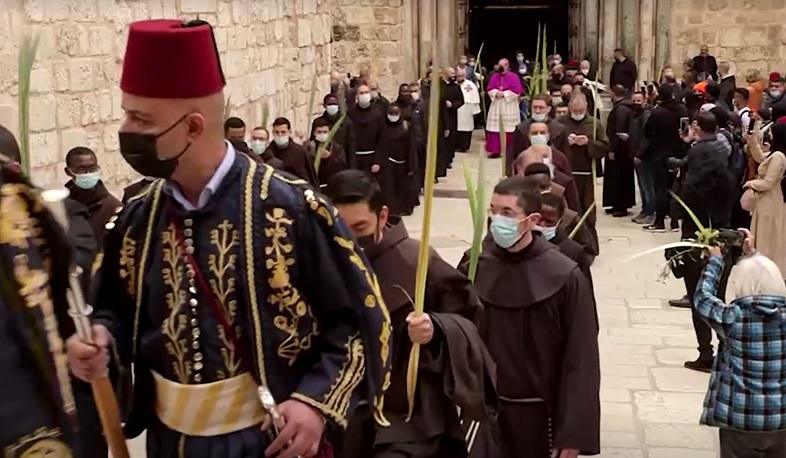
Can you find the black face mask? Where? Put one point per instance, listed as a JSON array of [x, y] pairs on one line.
[[368, 243], [140, 152]]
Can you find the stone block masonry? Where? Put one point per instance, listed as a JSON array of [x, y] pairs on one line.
[[271, 51]]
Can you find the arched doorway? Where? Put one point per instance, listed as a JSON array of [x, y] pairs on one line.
[[507, 26]]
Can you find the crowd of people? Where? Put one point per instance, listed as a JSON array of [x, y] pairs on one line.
[[255, 290]]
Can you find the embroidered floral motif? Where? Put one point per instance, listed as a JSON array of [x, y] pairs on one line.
[[43, 443], [128, 263], [223, 267], [174, 325], [291, 305]]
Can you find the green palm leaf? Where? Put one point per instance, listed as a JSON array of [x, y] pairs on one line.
[[27, 56]]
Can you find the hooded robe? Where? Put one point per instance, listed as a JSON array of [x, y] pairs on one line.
[[540, 327], [396, 177], [455, 368]]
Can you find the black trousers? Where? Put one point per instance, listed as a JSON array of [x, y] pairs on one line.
[[691, 278], [745, 444], [663, 180], [463, 141]]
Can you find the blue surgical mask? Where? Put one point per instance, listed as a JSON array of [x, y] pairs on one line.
[[578, 117], [332, 110], [547, 232], [87, 181], [505, 231], [258, 146], [539, 139], [393, 118], [539, 117], [775, 94], [281, 141]]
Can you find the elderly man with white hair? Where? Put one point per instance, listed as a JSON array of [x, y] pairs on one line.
[[747, 389]]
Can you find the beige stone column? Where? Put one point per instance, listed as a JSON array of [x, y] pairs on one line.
[[628, 15], [410, 49], [609, 37], [663, 35], [591, 13], [447, 22], [427, 18], [646, 48]]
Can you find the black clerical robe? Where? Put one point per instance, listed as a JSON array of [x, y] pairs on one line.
[[455, 369], [619, 188], [558, 140], [328, 166], [539, 325], [397, 146], [368, 123], [450, 94], [294, 160]]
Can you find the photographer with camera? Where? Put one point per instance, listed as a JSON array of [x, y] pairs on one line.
[[709, 189], [747, 387]]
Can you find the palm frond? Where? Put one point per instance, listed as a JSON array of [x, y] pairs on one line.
[[425, 235], [331, 134], [583, 219], [27, 55]]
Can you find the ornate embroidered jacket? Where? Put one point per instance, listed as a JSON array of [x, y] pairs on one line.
[[303, 303], [36, 402]]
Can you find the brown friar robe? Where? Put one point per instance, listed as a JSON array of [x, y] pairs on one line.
[[558, 140], [455, 369], [576, 253], [330, 165], [294, 160], [397, 147], [570, 219], [581, 158], [368, 124], [100, 203], [539, 325]]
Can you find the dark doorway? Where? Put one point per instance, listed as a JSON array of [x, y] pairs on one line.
[[507, 26]]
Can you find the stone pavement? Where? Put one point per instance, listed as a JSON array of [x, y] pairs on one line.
[[650, 403]]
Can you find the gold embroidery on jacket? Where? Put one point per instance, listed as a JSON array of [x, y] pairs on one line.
[[155, 189], [291, 305], [43, 443], [265, 188], [97, 262], [223, 265], [337, 400], [16, 225], [174, 325], [128, 263], [249, 203], [295, 181], [371, 280]]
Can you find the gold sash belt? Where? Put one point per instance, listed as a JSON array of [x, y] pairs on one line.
[[209, 409]]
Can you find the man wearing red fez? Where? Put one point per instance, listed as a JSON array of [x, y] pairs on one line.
[[226, 283]]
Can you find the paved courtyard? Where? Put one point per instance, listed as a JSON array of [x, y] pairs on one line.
[[650, 403]]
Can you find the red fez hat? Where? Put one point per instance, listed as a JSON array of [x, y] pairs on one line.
[[781, 120], [168, 59], [774, 76]]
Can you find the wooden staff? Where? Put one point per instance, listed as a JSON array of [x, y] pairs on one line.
[[103, 392]]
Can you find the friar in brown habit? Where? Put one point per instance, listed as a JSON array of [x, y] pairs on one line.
[[368, 122], [455, 369], [397, 145], [584, 146], [294, 158], [539, 326], [331, 155]]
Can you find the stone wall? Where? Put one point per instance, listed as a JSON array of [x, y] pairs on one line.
[[747, 33], [270, 50], [371, 32]]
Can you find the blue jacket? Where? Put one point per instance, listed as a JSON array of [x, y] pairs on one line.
[[747, 388]]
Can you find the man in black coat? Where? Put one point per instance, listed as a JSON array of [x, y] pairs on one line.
[[451, 99], [662, 132], [618, 184], [624, 71], [705, 65]]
